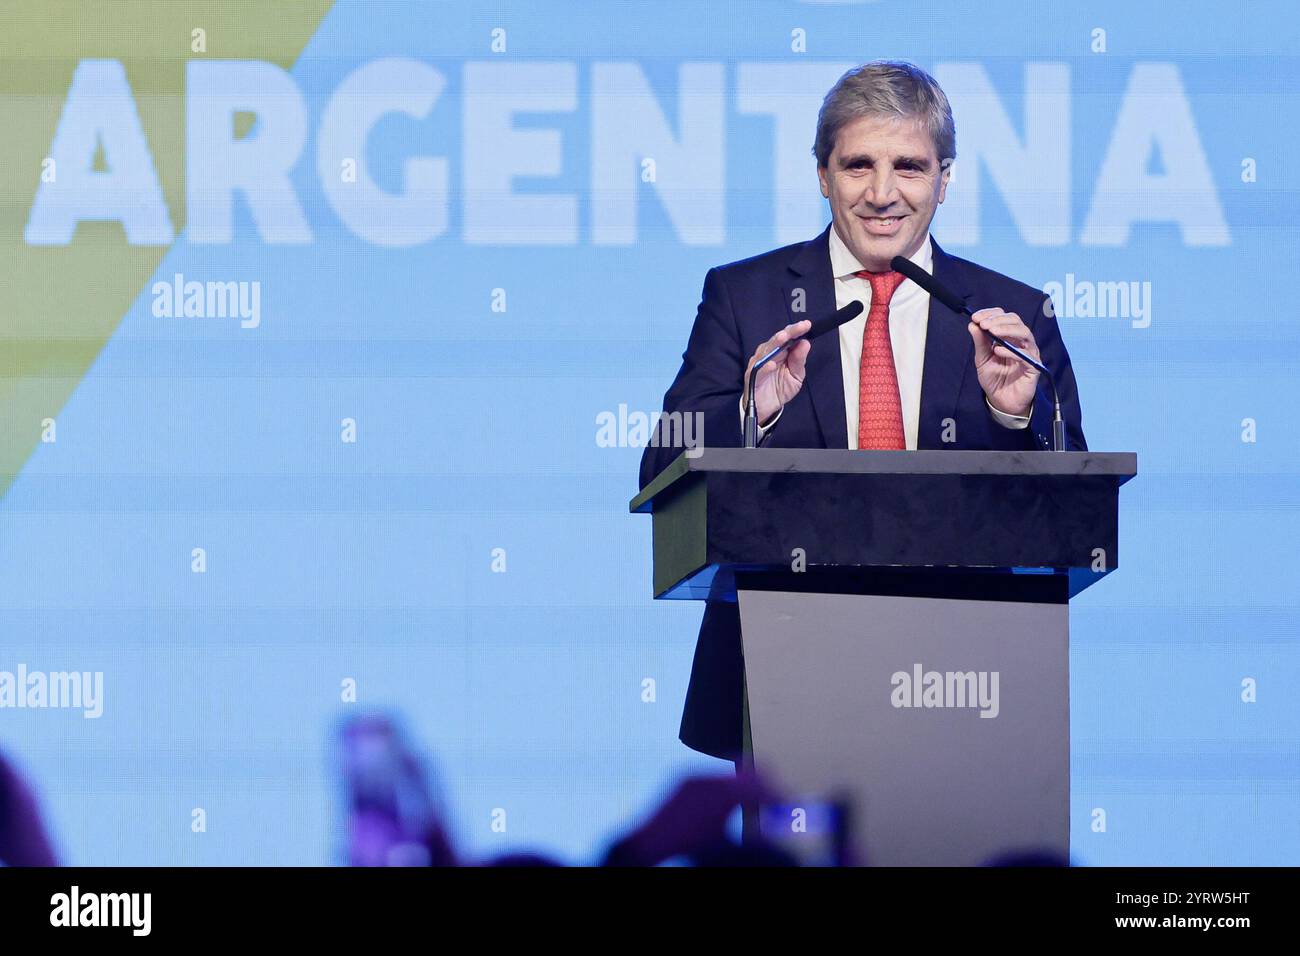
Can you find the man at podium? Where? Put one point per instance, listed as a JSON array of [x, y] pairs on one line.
[[907, 373]]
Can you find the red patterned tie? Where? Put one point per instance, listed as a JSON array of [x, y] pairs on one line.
[[880, 413]]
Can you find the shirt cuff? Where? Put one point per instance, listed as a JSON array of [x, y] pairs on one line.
[[764, 429], [1005, 420]]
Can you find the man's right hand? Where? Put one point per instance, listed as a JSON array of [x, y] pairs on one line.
[[780, 379]]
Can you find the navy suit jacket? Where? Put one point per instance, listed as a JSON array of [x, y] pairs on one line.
[[746, 303]]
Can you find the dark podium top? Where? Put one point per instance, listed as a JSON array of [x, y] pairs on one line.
[[723, 512]]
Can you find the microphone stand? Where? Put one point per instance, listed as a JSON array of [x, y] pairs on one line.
[[751, 413], [1058, 423]]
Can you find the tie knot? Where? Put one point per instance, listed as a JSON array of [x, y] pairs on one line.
[[883, 285]]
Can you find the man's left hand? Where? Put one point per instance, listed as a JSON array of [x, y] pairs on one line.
[[1009, 383]]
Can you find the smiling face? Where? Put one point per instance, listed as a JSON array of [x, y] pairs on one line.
[[884, 184]]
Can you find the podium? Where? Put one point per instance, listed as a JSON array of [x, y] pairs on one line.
[[905, 628]]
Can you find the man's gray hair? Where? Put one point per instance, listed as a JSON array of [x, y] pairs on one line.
[[886, 88]]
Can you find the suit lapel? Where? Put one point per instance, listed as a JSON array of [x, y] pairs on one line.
[[824, 381], [949, 355]]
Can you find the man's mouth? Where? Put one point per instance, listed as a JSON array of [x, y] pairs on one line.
[[882, 225]]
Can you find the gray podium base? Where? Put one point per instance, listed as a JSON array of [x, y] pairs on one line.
[[926, 785]]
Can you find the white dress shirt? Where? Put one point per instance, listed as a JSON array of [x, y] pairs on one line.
[[909, 317]]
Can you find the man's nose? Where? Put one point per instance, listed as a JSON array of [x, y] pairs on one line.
[[882, 186]]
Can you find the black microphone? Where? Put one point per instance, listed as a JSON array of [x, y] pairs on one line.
[[949, 298], [827, 322], [930, 284], [819, 327]]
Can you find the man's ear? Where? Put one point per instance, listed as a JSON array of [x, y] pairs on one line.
[[821, 180], [944, 176]]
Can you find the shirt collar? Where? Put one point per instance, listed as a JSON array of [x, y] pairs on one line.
[[844, 263]]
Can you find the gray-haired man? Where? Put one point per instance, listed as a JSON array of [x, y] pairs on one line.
[[907, 373]]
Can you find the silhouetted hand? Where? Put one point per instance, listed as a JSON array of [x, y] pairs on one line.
[[23, 840], [692, 819]]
